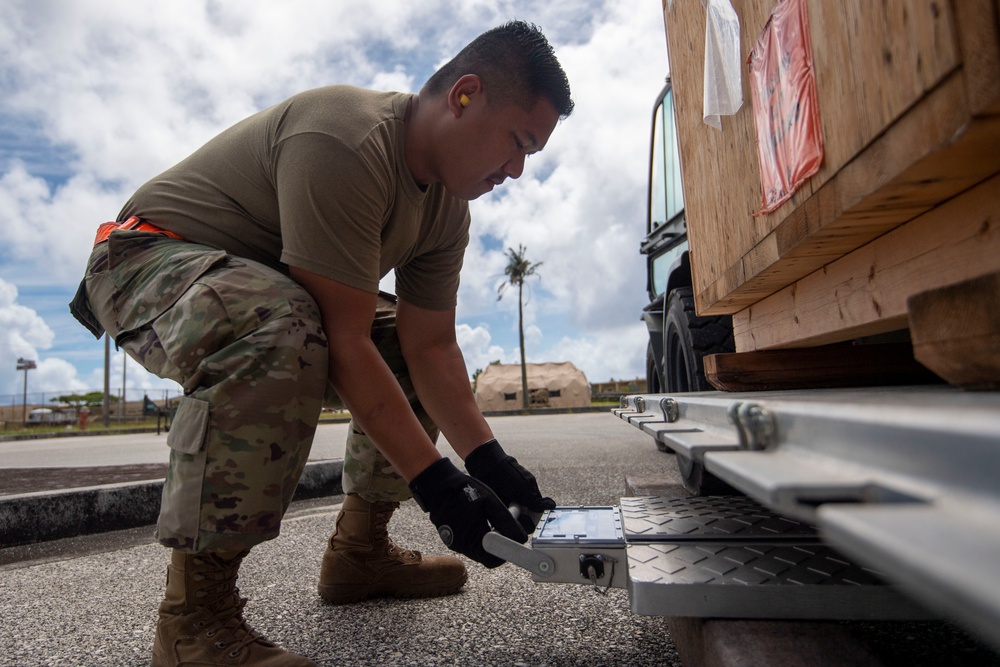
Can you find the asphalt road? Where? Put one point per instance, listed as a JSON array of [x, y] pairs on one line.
[[130, 449], [92, 601]]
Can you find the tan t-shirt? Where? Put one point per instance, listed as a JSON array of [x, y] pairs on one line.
[[319, 182]]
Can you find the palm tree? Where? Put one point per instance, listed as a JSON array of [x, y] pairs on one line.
[[518, 269]]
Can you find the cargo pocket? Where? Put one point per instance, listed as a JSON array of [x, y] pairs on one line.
[[180, 507], [146, 274], [160, 282]]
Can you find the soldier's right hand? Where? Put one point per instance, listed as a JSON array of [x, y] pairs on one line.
[[464, 509]]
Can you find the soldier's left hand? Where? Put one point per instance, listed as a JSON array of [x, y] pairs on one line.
[[490, 464]]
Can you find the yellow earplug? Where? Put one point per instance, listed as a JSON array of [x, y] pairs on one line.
[[463, 100]]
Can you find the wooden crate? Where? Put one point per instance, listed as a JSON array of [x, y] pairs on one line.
[[909, 103]]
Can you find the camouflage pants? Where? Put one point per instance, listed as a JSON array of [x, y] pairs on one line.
[[246, 343], [366, 471]]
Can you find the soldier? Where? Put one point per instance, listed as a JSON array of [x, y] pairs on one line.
[[249, 274]]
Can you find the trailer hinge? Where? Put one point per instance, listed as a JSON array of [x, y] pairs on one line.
[[755, 426]]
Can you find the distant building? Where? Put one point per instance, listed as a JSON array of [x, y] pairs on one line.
[[550, 385], [615, 389]]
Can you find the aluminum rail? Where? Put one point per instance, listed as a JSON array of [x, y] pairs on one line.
[[905, 480]]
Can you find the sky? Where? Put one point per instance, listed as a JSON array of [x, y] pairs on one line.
[[97, 97]]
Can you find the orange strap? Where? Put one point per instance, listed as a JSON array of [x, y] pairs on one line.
[[136, 223]]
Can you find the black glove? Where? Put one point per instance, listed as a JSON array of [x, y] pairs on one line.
[[463, 509], [502, 473]]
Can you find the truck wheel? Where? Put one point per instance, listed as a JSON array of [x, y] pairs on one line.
[[687, 339], [700, 482], [653, 384]]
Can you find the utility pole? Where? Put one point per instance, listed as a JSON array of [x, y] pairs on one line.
[[25, 365], [107, 380]]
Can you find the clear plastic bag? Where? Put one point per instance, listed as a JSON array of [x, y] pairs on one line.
[[723, 65]]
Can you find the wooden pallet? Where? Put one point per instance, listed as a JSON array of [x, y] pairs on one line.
[[909, 98]]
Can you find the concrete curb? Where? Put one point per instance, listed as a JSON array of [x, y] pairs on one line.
[[53, 515]]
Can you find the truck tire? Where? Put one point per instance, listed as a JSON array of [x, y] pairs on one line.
[[687, 339], [653, 384], [700, 482]]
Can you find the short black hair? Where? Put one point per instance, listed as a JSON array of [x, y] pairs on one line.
[[516, 64]]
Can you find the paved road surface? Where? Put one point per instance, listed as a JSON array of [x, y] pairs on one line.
[[92, 600], [136, 448]]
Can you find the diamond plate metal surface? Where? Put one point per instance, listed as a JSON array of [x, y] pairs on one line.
[[709, 517], [749, 565], [758, 581], [715, 557]]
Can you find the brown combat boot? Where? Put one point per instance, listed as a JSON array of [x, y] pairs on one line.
[[362, 562], [201, 618]]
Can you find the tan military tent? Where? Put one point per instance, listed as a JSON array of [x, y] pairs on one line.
[[551, 385]]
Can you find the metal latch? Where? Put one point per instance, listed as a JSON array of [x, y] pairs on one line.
[[578, 545], [523, 556]]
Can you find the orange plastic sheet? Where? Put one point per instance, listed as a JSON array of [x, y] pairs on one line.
[[786, 111]]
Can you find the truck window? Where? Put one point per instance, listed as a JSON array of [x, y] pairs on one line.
[[661, 266], [666, 196]]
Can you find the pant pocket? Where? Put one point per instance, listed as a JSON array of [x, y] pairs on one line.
[[145, 274], [181, 504]]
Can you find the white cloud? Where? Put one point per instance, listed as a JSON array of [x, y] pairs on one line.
[[135, 86], [48, 233], [586, 219], [478, 349], [22, 331], [24, 334], [57, 375], [618, 353]]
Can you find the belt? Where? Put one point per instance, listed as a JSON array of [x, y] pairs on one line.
[[134, 223]]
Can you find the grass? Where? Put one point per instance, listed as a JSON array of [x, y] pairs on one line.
[[12, 428]]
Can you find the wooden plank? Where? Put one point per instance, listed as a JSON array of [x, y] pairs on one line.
[[865, 292], [933, 153], [727, 159], [978, 24], [874, 63], [817, 368], [956, 331]]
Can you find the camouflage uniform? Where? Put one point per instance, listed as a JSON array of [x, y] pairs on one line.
[[246, 344], [366, 471]]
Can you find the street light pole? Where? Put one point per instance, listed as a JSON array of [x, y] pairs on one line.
[[122, 406], [25, 365]]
